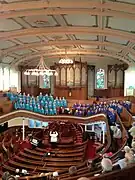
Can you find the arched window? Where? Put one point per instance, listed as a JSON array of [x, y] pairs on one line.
[[100, 79], [46, 81]]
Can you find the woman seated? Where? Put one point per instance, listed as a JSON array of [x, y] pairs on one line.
[[129, 155], [106, 164]]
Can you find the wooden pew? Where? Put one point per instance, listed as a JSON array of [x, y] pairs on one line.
[[132, 110], [80, 154], [32, 167], [45, 163], [30, 156], [124, 137], [127, 173], [126, 117]]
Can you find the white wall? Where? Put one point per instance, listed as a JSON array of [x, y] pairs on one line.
[[129, 78], [10, 77]]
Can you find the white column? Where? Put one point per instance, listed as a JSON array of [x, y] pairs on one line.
[[23, 129], [103, 133]]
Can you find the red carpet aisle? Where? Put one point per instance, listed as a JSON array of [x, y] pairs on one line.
[[91, 150]]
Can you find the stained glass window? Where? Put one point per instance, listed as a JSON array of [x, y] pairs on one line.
[[100, 79], [46, 80]]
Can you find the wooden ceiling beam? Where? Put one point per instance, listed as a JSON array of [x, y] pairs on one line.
[[17, 6], [71, 52], [66, 43], [57, 11], [67, 30]]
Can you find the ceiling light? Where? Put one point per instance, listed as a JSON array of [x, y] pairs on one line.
[[41, 70], [66, 60]]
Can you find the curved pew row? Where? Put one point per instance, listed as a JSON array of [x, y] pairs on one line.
[[85, 171], [40, 117], [66, 176], [43, 169], [81, 171], [75, 154], [29, 166], [126, 117], [127, 173], [124, 137]]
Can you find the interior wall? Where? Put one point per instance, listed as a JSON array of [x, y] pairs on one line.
[[129, 78], [10, 78]]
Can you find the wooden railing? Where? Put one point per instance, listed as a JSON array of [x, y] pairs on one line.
[[124, 137], [127, 173]]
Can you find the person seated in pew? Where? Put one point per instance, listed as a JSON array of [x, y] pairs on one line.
[[17, 173], [129, 155], [47, 154], [106, 164], [91, 165], [133, 147], [24, 172], [117, 134], [72, 171], [55, 174], [11, 178], [5, 175], [121, 162]]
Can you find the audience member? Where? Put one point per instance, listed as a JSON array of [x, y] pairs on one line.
[[11, 178], [5, 175], [116, 132], [54, 136], [121, 162], [106, 164], [133, 147], [72, 170], [128, 155], [55, 174]]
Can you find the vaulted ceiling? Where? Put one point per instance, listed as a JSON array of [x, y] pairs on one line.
[[91, 29]]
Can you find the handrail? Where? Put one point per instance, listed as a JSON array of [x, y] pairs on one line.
[[65, 118], [124, 135], [41, 117]]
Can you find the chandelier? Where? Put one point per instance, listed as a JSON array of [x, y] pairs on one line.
[[66, 60], [41, 70]]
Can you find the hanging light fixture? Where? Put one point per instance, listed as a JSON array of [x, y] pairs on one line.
[[41, 70], [66, 60]]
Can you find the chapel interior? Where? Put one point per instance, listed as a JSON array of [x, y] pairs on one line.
[[67, 89]]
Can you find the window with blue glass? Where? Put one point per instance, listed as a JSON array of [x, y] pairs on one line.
[[100, 79], [46, 80]]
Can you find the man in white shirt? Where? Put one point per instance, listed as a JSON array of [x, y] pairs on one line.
[[54, 136]]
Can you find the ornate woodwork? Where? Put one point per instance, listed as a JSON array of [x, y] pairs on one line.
[[71, 75], [72, 80], [115, 75]]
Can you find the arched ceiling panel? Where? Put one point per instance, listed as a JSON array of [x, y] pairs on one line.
[[89, 27]]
